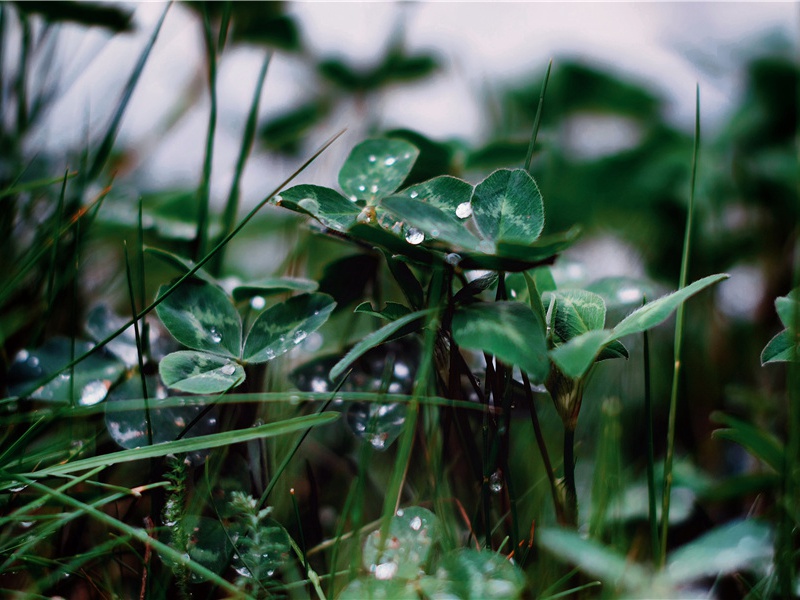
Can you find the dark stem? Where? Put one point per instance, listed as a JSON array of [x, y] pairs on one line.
[[571, 494]]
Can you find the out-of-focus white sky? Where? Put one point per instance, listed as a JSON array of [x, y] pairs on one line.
[[669, 45]]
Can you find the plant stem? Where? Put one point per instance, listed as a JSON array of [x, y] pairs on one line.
[[571, 493], [673, 401], [651, 478]]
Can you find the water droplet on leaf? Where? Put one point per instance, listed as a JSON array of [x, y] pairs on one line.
[[416, 523], [367, 215], [414, 236], [299, 336], [93, 392], [464, 210], [228, 369], [372, 158], [386, 570], [258, 302], [452, 259], [496, 482], [390, 161], [216, 336], [414, 194]]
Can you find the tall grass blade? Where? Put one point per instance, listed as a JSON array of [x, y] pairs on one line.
[[673, 401], [652, 517], [535, 132]]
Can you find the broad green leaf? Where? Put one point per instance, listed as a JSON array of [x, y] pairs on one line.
[[614, 349], [412, 533], [391, 311], [185, 445], [514, 256], [375, 168], [260, 551], [476, 286], [436, 224], [328, 206], [656, 312], [576, 312], [200, 372], [733, 547], [788, 308], [757, 442], [202, 317], [281, 327], [449, 194], [380, 424], [273, 285], [576, 356], [510, 331], [393, 243], [101, 322], [375, 339], [475, 575], [406, 280], [784, 347], [593, 558], [92, 377], [507, 206]]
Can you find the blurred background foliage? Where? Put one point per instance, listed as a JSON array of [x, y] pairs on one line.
[[607, 159]]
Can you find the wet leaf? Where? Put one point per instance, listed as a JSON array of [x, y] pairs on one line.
[[510, 331], [101, 322], [412, 533], [202, 317], [93, 375], [281, 327], [208, 544], [734, 547], [508, 207], [445, 193], [328, 206], [271, 286], [375, 168], [436, 224], [759, 443], [475, 575], [379, 424], [262, 551], [200, 372], [370, 588]]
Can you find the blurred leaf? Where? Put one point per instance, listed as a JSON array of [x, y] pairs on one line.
[[201, 316], [93, 376], [784, 347], [328, 206], [406, 280], [200, 372], [498, 153], [176, 262], [286, 131], [758, 443], [93, 14], [593, 558], [508, 330], [369, 588], [271, 286], [376, 338], [413, 531], [475, 575], [375, 168], [257, 22], [281, 327], [621, 291], [379, 424], [435, 158], [507, 206], [208, 544], [733, 547], [476, 286]]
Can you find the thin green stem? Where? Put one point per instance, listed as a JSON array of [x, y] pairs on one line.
[[673, 401], [651, 478]]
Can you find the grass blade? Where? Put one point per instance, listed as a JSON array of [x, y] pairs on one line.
[[529, 156]]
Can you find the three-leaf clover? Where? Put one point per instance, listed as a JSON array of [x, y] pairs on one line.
[[202, 317]]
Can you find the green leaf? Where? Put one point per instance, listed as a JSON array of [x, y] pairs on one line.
[[281, 327], [271, 286], [577, 311], [380, 424], [476, 286], [377, 236], [369, 588], [406, 280], [328, 206], [376, 168], [656, 312], [202, 317], [757, 442], [375, 339], [445, 193], [200, 372], [507, 206], [788, 308], [784, 347], [576, 356], [412, 533], [436, 224], [733, 547], [475, 575], [510, 331], [593, 558], [186, 445], [391, 310]]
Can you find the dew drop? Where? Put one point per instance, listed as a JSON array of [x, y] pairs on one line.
[[496, 482], [216, 336], [416, 523], [390, 161], [414, 194], [362, 188], [367, 215], [400, 512], [93, 392], [299, 336], [319, 385], [414, 236], [33, 361], [378, 440], [452, 259], [228, 369], [258, 302], [277, 200], [386, 570], [397, 227], [374, 189], [22, 355], [464, 210], [434, 233], [372, 158]]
